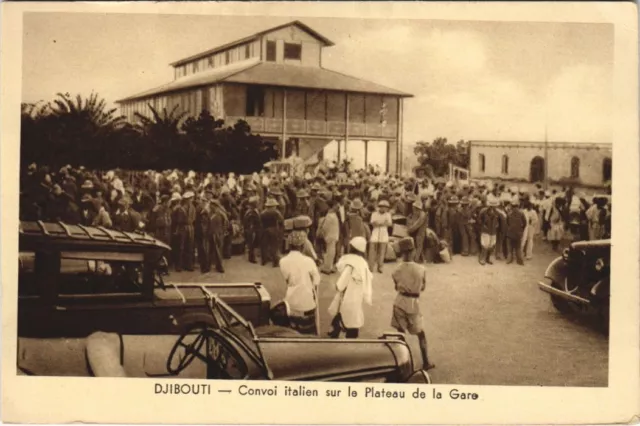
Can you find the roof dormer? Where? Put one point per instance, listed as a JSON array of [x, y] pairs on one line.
[[293, 43]]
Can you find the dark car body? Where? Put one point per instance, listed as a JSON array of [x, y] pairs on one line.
[[227, 348], [579, 280], [76, 280]]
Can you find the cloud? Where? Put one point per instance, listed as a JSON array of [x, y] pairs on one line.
[[456, 51], [579, 104]]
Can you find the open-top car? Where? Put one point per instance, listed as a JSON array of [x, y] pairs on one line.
[[226, 347], [579, 280], [74, 280]]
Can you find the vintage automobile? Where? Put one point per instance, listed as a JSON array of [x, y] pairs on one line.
[[226, 347], [74, 280], [579, 280]]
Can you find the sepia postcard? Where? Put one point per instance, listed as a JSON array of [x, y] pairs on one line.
[[320, 213]]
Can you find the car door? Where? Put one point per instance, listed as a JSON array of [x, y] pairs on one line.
[[100, 291]]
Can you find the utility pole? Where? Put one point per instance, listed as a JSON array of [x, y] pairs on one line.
[[546, 148]]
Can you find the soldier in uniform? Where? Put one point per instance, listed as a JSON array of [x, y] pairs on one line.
[[218, 224], [501, 234], [178, 225], [126, 219], [233, 214], [450, 222], [303, 208], [252, 227], [416, 228], [465, 227], [160, 220], [410, 280], [189, 240], [489, 221], [272, 230], [201, 231]]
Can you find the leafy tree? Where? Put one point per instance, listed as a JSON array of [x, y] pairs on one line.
[[435, 156]]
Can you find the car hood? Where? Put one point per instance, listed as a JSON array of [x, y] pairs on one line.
[[335, 359]]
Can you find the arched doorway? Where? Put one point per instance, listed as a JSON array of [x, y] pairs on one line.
[[606, 169], [537, 170]]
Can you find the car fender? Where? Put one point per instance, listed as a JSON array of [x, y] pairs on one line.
[[557, 270]]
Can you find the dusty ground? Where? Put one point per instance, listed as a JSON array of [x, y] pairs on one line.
[[486, 325]]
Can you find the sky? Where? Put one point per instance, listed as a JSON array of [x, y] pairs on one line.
[[471, 80]]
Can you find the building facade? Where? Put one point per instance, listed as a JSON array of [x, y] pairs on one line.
[[274, 80], [590, 163]]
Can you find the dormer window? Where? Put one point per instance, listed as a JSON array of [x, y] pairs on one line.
[[210, 62], [292, 51], [195, 67], [271, 51], [226, 57], [247, 51]]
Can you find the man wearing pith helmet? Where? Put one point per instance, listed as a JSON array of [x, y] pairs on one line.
[[410, 280]]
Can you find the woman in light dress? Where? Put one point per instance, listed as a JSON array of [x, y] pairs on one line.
[[354, 289]]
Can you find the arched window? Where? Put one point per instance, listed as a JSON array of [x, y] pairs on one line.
[[481, 162], [505, 164], [575, 167], [606, 169]]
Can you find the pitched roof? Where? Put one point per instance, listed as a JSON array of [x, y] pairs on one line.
[[271, 74], [200, 79], [298, 24]]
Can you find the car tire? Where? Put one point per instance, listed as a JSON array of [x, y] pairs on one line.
[[559, 303]]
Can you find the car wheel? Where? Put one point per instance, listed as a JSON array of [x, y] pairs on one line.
[[559, 303]]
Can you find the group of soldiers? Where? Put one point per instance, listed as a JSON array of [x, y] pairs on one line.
[[206, 216]]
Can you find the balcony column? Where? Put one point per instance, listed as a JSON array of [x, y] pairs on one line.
[[284, 123], [366, 154], [399, 129], [346, 125]]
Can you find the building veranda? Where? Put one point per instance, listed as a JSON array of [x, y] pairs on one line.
[[274, 80]]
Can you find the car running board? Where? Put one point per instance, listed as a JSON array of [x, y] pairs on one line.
[[567, 296]]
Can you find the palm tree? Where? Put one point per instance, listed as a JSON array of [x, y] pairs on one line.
[[93, 110], [162, 136]]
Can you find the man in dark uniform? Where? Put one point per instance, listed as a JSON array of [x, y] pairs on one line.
[[126, 219], [272, 229], [464, 226], [489, 221], [233, 214], [217, 228], [516, 223], [160, 220], [179, 225], [252, 227], [201, 233], [450, 222], [189, 242]]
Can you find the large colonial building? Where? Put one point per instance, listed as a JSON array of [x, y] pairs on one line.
[[275, 81], [588, 162]]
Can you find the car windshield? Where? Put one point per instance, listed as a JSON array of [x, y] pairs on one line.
[[240, 328]]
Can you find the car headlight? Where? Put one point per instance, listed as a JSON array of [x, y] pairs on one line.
[[599, 264], [419, 376], [565, 254]]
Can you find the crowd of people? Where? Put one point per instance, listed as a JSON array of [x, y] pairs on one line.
[[204, 216], [331, 220]]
